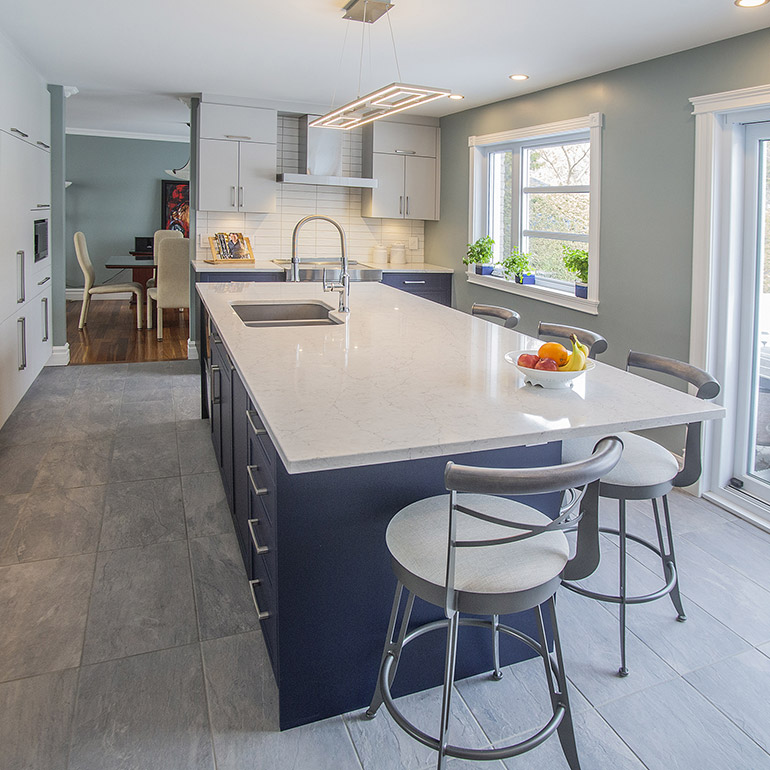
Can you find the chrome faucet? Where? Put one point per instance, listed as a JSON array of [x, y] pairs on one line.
[[343, 286]]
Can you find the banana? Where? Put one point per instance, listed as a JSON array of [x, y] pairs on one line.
[[583, 347], [577, 360]]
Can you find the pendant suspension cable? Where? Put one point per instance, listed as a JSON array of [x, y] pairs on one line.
[[395, 54], [339, 68], [361, 58]]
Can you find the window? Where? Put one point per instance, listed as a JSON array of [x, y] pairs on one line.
[[537, 190]]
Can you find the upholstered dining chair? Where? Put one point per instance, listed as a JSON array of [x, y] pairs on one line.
[[158, 237], [90, 288], [173, 281]]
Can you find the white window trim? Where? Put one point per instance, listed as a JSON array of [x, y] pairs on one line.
[[478, 147], [717, 253]]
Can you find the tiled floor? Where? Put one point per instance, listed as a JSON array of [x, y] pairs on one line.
[[128, 640]]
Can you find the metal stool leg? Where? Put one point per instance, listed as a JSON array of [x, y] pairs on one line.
[[497, 674], [449, 678], [392, 646], [623, 670], [667, 556]]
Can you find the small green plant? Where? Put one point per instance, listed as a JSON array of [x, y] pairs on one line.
[[516, 265], [576, 261], [480, 252]]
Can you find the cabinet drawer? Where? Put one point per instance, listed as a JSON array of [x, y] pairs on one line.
[[417, 282], [261, 449], [244, 124], [262, 542], [261, 489], [405, 139]]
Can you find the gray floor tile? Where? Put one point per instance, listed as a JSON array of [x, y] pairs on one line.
[[599, 748], [196, 453], [765, 648], [671, 725], [35, 727], [148, 387], [43, 606], [32, 426], [145, 456], [105, 389], [71, 464], [10, 509], [102, 372], [145, 712], [187, 409], [244, 715], [141, 513], [205, 505], [19, 465], [46, 392], [141, 600], [222, 593], [518, 702], [54, 523], [146, 417], [91, 418], [738, 687]]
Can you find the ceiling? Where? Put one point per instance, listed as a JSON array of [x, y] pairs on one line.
[[131, 61]]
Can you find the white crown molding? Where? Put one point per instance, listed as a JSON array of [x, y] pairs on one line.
[[726, 101], [60, 355], [70, 91], [127, 135], [594, 120]]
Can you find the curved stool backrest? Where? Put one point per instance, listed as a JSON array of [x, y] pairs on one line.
[[594, 342], [509, 317], [707, 389]]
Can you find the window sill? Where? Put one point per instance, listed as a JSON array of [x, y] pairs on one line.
[[590, 306]]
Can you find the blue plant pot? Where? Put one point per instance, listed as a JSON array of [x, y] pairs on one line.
[[484, 269], [530, 279], [581, 290]]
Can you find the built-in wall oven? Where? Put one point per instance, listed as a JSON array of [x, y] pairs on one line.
[[41, 239]]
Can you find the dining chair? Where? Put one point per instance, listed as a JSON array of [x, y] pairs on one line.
[[90, 288], [158, 237], [647, 471], [173, 280], [594, 342], [510, 318], [475, 553]]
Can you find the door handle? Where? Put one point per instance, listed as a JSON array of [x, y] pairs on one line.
[[258, 491], [257, 431], [21, 295], [260, 549], [406, 152], [22, 329], [45, 319], [45, 280], [261, 615], [44, 145], [236, 136], [407, 205], [240, 196], [215, 399], [232, 196], [406, 283], [19, 132], [400, 204]]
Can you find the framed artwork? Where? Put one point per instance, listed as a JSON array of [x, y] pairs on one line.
[[175, 206], [232, 248]]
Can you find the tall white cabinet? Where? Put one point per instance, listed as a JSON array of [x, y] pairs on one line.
[[25, 204]]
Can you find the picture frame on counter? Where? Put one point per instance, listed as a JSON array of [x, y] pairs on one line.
[[230, 248]]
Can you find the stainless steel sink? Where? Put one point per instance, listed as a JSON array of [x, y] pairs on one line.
[[312, 270], [284, 313]]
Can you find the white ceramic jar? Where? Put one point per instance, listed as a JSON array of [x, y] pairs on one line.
[[379, 254], [398, 253]]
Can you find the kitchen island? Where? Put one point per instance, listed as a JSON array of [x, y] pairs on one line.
[[324, 432]]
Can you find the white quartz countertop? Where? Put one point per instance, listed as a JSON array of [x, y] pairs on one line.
[[266, 266], [405, 378]]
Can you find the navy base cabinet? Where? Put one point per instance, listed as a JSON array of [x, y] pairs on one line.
[[433, 286]]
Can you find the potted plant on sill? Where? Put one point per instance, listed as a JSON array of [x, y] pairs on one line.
[[480, 254], [576, 261], [516, 265]]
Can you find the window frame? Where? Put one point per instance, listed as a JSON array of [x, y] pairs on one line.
[[548, 290]]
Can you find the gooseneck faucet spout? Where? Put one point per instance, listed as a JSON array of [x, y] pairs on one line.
[[343, 286]]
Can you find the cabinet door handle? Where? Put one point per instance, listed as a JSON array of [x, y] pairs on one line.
[[260, 614], [258, 491], [236, 136], [45, 280], [250, 414], [260, 549], [45, 319], [22, 329], [240, 196], [19, 132], [21, 294], [232, 196], [43, 205], [44, 145], [215, 399], [406, 152], [407, 205], [406, 283], [400, 204]]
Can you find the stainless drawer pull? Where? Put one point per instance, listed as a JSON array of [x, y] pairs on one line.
[[400, 204], [21, 293], [406, 152], [43, 144], [22, 349], [260, 549], [232, 196], [45, 319], [258, 491], [236, 136], [411, 282], [260, 615], [215, 399], [45, 280], [19, 132], [250, 414]]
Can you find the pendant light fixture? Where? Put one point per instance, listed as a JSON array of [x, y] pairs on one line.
[[385, 101]]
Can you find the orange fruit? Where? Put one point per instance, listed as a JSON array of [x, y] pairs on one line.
[[555, 351]]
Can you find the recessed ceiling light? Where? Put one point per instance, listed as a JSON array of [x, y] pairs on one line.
[[526, 77], [751, 3], [456, 96]]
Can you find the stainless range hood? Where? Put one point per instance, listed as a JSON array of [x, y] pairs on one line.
[[320, 158]]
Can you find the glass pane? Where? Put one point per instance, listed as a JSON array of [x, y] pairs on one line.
[[501, 201], [557, 165], [557, 212], [546, 257]]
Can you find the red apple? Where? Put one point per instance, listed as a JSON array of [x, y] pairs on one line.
[[528, 360], [547, 364]]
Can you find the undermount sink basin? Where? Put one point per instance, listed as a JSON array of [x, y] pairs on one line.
[[284, 313]]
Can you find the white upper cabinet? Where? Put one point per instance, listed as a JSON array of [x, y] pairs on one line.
[[256, 176], [25, 110], [405, 139], [218, 175], [239, 124]]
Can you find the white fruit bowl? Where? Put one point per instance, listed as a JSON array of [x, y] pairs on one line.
[[543, 377]]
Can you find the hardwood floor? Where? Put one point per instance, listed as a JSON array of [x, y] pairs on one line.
[[111, 336]]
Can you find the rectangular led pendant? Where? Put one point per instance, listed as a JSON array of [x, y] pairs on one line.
[[389, 100]]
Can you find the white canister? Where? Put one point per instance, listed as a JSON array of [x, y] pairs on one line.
[[379, 254], [398, 253]]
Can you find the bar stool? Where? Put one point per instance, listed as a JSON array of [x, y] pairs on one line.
[[509, 317], [647, 471], [594, 342], [457, 552]]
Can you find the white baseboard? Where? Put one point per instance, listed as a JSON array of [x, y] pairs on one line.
[[60, 355], [77, 294], [192, 351]]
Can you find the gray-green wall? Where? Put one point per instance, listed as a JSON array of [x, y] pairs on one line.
[[114, 196], [647, 189]]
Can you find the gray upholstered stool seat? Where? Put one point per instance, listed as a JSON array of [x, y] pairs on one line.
[[644, 462], [416, 539]]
